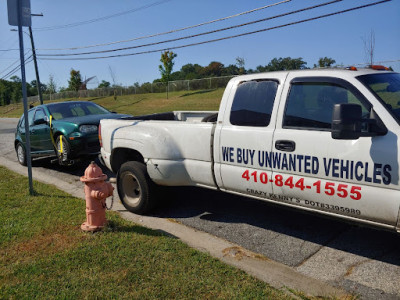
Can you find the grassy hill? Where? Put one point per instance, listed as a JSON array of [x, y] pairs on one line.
[[143, 103]]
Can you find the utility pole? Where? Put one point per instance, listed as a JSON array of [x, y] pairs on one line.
[[38, 85], [36, 67]]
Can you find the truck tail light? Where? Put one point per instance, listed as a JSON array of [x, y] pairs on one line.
[[101, 142]]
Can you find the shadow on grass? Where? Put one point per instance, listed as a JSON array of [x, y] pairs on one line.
[[129, 104], [38, 194], [115, 226], [198, 93], [98, 98]]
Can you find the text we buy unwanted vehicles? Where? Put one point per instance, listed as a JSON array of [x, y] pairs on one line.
[[320, 140]]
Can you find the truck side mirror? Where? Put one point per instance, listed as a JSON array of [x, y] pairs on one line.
[[346, 121]]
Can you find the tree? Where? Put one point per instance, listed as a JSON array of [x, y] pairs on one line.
[[32, 88], [231, 70], [15, 79], [287, 63], [240, 64], [214, 69], [325, 62], [167, 59], [6, 89], [191, 71], [75, 81], [51, 86], [104, 84]]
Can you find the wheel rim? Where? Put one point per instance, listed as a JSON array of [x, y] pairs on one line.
[[131, 189], [20, 153], [63, 156]]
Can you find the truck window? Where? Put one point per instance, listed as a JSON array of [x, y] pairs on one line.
[[253, 102], [386, 87], [310, 105]]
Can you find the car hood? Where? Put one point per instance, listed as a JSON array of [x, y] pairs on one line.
[[92, 119]]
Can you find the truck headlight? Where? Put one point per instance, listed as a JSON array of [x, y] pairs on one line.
[[88, 128]]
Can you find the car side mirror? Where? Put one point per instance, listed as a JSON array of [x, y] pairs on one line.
[[41, 121], [346, 121]]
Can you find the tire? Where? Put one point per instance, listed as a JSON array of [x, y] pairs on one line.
[[21, 154], [64, 157], [135, 188]]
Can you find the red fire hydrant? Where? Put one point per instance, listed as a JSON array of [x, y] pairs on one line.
[[96, 192]]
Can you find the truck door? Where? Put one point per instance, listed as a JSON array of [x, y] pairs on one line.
[[354, 178], [246, 132]]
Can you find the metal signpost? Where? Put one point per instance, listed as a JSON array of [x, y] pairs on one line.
[[19, 14]]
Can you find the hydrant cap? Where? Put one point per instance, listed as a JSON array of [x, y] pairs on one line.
[[93, 173]]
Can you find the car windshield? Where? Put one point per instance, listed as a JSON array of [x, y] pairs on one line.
[[386, 87], [75, 109]]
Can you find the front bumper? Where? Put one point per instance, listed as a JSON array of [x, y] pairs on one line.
[[84, 145], [104, 158]]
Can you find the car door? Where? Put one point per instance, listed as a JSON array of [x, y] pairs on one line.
[[246, 133], [344, 177], [40, 133], [21, 128]]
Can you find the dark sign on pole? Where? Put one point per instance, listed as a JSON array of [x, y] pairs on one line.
[[25, 12]]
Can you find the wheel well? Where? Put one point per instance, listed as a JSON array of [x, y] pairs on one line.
[[122, 155]]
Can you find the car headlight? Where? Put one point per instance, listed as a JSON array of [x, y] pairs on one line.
[[88, 128]]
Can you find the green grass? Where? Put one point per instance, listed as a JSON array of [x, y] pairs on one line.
[[44, 254], [144, 103]]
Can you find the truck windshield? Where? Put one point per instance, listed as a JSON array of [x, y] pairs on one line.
[[386, 87]]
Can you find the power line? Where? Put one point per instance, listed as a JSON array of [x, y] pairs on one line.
[[102, 18], [15, 62], [44, 57], [13, 71], [378, 62], [172, 31], [199, 34]]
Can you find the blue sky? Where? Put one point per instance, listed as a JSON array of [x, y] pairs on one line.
[[339, 37]]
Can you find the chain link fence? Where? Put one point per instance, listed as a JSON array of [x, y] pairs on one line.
[[156, 87]]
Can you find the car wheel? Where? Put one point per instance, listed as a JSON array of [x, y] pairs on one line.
[[21, 154], [63, 150], [135, 188]]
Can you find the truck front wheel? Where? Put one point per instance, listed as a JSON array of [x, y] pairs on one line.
[[135, 188]]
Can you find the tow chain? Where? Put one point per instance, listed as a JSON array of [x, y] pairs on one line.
[[112, 203], [112, 180]]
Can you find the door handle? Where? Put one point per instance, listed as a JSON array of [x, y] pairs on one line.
[[287, 146]]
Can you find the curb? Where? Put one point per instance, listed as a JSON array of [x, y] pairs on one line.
[[275, 274]]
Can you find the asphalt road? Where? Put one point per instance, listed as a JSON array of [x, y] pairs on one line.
[[362, 260]]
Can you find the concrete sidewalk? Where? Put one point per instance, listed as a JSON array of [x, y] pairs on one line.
[[276, 274]]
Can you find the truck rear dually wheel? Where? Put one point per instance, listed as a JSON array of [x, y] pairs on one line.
[[135, 188]]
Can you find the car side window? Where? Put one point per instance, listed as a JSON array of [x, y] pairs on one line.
[[39, 114], [22, 121], [310, 104], [253, 103], [30, 116]]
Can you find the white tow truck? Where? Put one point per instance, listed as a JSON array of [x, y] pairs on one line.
[[324, 141]]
